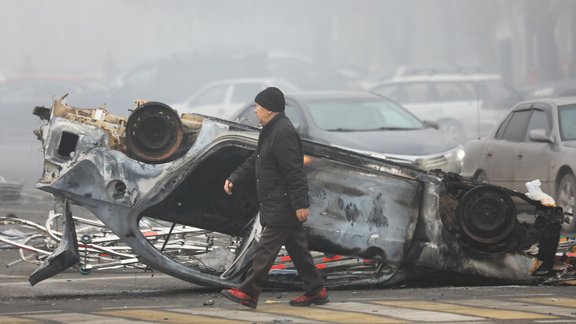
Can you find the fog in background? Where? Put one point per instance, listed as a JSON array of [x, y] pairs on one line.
[[97, 46]]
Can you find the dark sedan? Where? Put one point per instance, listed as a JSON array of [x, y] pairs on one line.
[[536, 140], [369, 124]]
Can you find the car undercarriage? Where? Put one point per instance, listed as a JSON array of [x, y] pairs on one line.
[[372, 221]]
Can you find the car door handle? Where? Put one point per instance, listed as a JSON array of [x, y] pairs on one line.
[[489, 154], [519, 156]]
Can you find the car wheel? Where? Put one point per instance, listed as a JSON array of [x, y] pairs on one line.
[[453, 129], [486, 215], [481, 177], [565, 199]]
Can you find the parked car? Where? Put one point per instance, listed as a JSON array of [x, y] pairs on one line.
[[536, 140], [465, 106], [556, 88], [33, 90], [223, 98], [173, 79], [303, 71], [366, 123]]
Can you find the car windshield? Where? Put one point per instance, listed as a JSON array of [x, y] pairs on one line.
[[361, 115], [567, 119]]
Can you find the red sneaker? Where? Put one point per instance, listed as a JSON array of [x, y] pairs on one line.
[[320, 298], [240, 297]]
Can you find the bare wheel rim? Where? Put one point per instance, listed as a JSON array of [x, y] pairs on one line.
[[486, 215]]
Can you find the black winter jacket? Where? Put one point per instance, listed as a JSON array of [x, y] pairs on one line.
[[277, 164]]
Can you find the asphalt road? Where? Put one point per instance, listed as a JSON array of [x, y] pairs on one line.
[[138, 296]]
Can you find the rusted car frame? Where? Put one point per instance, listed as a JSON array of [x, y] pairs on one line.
[[383, 220]]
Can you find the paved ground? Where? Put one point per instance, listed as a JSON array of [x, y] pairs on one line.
[[137, 296]]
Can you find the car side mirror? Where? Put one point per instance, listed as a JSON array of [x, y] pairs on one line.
[[540, 135], [431, 124]]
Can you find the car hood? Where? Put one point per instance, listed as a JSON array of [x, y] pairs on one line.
[[406, 142]]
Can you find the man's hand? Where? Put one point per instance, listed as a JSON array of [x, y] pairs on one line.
[[228, 186], [302, 214]]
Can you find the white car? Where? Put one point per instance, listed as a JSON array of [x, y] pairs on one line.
[[466, 106], [223, 98]]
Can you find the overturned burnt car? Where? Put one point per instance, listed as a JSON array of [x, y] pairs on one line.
[[372, 221]]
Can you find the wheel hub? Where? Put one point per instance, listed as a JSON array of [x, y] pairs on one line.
[[486, 215]]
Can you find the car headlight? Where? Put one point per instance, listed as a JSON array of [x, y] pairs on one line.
[[454, 159], [460, 153]]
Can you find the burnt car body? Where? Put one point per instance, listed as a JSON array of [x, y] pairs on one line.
[[389, 220]]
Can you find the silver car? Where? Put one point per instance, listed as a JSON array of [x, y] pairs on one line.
[[536, 140]]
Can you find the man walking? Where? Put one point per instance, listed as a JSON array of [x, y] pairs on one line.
[[282, 191]]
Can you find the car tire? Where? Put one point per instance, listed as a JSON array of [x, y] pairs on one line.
[[565, 198], [453, 129]]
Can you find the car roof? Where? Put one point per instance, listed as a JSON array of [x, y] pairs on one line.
[[554, 101], [247, 80], [270, 81], [444, 78], [316, 95]]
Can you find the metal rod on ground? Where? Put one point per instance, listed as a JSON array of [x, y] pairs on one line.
[[167, 237]]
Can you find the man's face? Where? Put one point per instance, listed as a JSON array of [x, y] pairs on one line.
[[262, 113]]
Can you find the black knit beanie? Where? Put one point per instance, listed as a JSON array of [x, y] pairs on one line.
[[272, 99]]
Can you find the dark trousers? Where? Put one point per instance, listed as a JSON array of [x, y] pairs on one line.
[[295, 240]]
